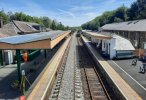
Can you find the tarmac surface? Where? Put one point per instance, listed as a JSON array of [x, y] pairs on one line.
[[131, 74]]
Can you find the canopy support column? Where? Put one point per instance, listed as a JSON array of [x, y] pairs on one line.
[[18, 57], [1, 58], [45, 53]]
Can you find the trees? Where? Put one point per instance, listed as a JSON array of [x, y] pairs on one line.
[[132, 12], [60, 26], [20, 16], [136, 11], [4, 16], [53, 25], [46, 21], [121, 13]]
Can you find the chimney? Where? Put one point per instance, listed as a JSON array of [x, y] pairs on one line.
[[1, 22]]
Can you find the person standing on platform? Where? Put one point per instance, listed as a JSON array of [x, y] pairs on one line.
[[25, 56]]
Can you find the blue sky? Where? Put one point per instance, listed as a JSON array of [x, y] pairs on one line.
[[69, 12]]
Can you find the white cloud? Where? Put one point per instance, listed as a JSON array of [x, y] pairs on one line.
[[67, 12], [82, 8], [91, 15]]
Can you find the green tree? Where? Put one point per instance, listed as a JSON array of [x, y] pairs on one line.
[[53, 25], [60, 26], [46, 21], [117, 19], [4, 16]]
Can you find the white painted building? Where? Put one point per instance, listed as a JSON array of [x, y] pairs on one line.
[[112, 45]]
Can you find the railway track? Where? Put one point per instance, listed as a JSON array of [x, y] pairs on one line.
[[56, 89], [96, 88]]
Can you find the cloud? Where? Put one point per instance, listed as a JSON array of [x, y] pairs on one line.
[[91, 15], [82, 8], [67, 12]]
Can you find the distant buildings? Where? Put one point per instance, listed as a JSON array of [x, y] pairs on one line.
[[20, 28], [16, 28], [135, 31]]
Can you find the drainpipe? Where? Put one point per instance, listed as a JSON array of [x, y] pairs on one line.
[[1, 58]]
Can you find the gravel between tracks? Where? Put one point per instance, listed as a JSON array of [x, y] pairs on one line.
[[67, 87]]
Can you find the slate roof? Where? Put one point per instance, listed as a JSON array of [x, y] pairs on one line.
[[137, 25], [32, 37], [25, 27], [9, 29], [18, 27]]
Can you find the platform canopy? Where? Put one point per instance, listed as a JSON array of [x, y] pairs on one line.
[[98, 35], [42, 40], [122, 43]]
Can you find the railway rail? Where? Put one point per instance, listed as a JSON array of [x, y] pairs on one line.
[[69, 66], [95, 85], [56, 89]]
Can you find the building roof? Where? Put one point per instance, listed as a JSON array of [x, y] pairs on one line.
[[122, 43], [16, 27], [19, 39], [99, 35], [137, 25], [25, 27], [43, 40], [9, 29]]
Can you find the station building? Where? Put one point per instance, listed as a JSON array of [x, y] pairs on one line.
[[135, 31], [111, 45]]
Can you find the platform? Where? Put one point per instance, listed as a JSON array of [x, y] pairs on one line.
[[41, 88], [119, 85]]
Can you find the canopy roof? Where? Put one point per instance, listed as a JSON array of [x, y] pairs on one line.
[[98, 35], [122, 43], [32, 41]]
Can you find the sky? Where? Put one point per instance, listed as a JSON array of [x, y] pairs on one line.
[[69, 12]]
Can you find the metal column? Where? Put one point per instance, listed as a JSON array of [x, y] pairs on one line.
[[45, 53], [1, 58], [18, 57]]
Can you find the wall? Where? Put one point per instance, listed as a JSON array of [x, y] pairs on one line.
[[132, 35], [112, 46]]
